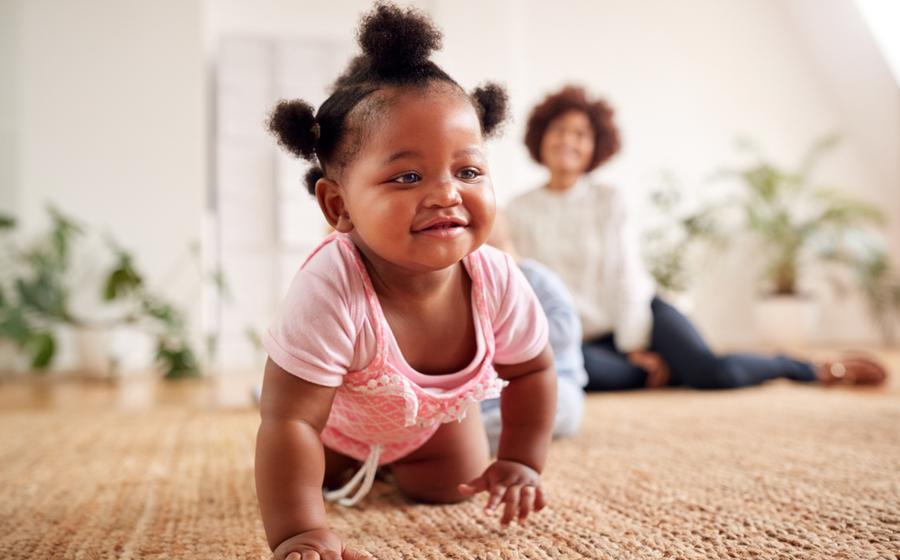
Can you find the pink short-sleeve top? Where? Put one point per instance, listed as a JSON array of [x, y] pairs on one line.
[[332, 331]]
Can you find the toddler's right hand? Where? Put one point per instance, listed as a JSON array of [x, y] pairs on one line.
[[317, 544], [515, 485]]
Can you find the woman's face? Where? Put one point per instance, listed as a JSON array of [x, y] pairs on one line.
[[568, 143]]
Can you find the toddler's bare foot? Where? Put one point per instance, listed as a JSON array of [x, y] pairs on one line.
[[856, 370]]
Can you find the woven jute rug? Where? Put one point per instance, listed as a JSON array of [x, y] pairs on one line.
[[781, 471]]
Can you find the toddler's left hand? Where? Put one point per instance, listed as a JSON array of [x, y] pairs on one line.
[[518, 486]]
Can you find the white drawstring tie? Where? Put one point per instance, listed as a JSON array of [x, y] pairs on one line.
[[366, 475]]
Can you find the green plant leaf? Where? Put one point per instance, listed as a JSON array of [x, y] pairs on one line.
[[212, 345], [844, 210], [64, 229], [42, 347], [253, 338], [163, 312], [177, 358], [220, 281], [14, 326], [746, 144], [122, 280], [44, 294], [819, 148], [7, 222]]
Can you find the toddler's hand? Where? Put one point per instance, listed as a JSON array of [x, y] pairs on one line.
[[516, 485], [317, 544]]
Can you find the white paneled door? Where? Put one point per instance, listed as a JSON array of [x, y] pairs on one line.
[[265, 221]]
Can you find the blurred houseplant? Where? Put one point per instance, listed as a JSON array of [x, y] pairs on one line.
[[124, 284], [35, 298], [881, 286], [28, 301], [677, 228], [797, 224], [866, 261]]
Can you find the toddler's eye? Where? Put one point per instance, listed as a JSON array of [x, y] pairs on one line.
[[406, 178], [469, 174]]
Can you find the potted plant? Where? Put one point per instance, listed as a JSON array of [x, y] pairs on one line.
[[33, 295], [880, 284], [865, 260], [36, 296], [792, 219], [676, 229]]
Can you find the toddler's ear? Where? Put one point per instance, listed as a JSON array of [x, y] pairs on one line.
[[331, 201]]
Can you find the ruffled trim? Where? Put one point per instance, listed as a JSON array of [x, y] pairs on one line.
[[489, 389]]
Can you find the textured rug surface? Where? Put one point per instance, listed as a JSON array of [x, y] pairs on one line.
[[782, 471]]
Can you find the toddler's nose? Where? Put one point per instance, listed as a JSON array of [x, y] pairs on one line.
[[444, 193]]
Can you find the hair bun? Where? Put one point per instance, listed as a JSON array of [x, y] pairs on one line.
[[492, 103], [394, 39], [294, 124], [313, 174]]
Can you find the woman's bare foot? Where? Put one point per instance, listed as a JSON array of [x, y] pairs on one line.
[[856, 370]]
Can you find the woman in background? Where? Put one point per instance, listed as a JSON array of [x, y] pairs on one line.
[[581, 230], [564, 333]]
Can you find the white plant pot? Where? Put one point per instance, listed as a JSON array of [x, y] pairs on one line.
[[12, 359], [786, 322], [113, 351], [94, 359]]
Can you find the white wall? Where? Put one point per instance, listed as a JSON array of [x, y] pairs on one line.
[[112, 125], [857, 80], [267, 223], [687, 78], [864, 97], [9, 31], [111, 121]]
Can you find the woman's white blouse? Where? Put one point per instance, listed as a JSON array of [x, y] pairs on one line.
[[583, 234]]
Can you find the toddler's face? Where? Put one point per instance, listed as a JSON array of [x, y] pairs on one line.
[[568, 143], [418, 192]]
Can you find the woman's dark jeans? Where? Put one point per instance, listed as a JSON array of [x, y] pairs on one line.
[[690, 360]]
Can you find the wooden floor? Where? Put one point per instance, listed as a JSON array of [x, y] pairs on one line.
[[233, 390], [135, 391]]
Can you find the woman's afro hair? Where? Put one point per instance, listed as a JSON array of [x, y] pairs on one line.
[[574, 98], [396, 48]]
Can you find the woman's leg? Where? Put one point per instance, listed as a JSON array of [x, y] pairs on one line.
[[569, 408], [607, 369], [569, 411], [692, 363], [493, 423], [455, 454]]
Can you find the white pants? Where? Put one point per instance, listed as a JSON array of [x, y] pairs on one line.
[[569, 411]]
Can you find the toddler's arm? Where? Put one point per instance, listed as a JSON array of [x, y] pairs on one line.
[[528, 407], [290, 461]]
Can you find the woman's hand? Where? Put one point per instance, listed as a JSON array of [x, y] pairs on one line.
[[516, 485], [317, 544], [657, 370]]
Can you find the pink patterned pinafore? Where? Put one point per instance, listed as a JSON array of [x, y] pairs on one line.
[[379, 414]]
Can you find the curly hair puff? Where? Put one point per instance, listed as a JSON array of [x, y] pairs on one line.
[[396, 48], [574, 98]]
